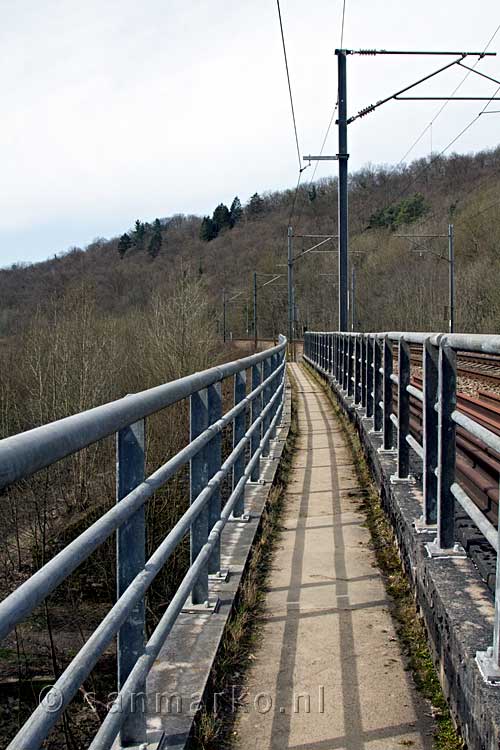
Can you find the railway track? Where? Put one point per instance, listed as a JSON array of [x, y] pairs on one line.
[[482, 367], [478, 467]]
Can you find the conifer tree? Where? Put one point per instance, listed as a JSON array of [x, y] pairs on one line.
[[235, 212], [139, 235], [156, 240], [255, 205], [208, 231], [221, 217], [124, 244]]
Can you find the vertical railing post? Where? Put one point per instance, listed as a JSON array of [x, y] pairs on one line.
[[387, 395], [266, 371], [403, 409], [489, 660], [343, 362], [239, 428], [370, 344], [363, 353], [378, 413], [274, 387], [430, 430], [350, 366], [255, 412], [198, 481], [214, 459], [447, 398], [130, 561], [357, 369], [340, 360]]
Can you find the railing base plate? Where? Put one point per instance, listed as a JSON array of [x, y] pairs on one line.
[[402, 480], [433, 550], [388, 451], [209, 607], [424, 528], [257, 483], [221, 576], [490, 671], [245, 518]]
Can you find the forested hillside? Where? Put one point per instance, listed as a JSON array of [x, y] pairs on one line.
[[127, 313], [396, 288]]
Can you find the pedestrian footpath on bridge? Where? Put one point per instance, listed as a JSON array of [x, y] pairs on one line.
[[328, 672]]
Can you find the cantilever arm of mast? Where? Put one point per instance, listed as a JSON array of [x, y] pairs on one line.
[[275, 278], [318, 244], [414, 52], [397, 95]]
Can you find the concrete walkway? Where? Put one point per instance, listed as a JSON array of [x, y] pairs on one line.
[[328, 671]]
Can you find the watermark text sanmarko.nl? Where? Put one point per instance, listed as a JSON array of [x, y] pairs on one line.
[[234, 698]]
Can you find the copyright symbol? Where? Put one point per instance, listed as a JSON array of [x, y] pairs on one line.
[[52, 699]]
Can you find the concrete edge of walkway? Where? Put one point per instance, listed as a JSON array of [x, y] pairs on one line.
[[454, 601], [177, 684]]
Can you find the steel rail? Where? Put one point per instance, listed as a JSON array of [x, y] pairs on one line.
[[24, 454], [36, 728], [18, 605], [110, 727], [456, 437]]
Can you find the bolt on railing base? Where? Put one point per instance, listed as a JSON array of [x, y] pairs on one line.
[[434, 550], [210, 607], [394, 479], [424, 528], [244, 518], [490, 671], [221, 576]]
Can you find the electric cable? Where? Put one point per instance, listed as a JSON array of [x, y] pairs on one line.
[[289, 83]]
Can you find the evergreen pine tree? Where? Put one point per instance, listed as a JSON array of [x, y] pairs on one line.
[[255, 205], [139, 235], [221, 217], [235, 212], [312, 193], [156, 239], [208, 230], [124, 244]]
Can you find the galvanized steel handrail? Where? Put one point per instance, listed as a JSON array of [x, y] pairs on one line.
[[23, 454], [205, 519], [360, 367]]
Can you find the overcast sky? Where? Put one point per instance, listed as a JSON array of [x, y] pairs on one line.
[[113, 111]]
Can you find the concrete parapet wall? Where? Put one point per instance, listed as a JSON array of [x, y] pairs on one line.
[[454, 600]]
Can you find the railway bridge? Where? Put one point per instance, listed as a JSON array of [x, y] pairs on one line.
[[328, 670]]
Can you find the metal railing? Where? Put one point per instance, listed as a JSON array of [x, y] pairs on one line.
[[360, 367], [28, 452]]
